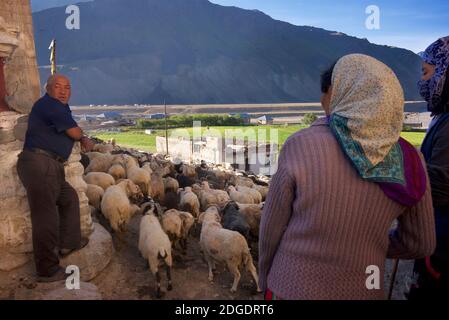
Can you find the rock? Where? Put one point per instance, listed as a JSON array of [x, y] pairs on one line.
[[20, 130], [57, 291], [15, 228], [11, 184], [92, 259], [74, 175], [6, 136], [9, 262], [8, 121], [15, 223], [21, 73]]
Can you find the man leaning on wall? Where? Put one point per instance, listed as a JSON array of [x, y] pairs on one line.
[[54, 204]]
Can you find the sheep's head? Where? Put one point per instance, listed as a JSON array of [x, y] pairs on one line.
[[148, 207], [210, 215], [205, 185], [118, 159], [130, 162], [132, 190], [196, 189], [231, 204], [147, 167]]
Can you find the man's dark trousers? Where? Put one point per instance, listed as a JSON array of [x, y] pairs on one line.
[[54, 206]]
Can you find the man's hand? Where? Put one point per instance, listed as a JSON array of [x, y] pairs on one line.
[[86, 144]]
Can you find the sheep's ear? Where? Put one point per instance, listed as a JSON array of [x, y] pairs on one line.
[[158, 210], [201, 217], [129, 186], [182, 216], [144, 207]]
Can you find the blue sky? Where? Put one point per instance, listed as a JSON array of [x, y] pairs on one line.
[[411, 24]]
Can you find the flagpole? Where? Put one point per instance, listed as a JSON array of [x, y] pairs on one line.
[[52, 49]]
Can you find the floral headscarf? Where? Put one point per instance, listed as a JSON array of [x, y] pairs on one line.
[[367, 110], [436, 54]]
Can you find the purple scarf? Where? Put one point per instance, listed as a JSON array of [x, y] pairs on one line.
[[415, 177]]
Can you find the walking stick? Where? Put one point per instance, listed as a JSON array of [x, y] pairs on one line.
[[393, 278]]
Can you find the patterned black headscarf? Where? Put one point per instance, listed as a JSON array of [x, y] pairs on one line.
[[434, 90]]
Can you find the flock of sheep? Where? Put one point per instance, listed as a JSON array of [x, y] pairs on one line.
[[223, 207]]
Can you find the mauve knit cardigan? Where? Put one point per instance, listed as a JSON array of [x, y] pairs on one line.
[[322, 225]]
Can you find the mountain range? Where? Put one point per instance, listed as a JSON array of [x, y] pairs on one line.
[[39, 5], [197, 52]]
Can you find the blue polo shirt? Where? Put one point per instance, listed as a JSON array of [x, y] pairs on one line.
[[47, 123]]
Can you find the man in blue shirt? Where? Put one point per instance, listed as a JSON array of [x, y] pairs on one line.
[[54, 204]]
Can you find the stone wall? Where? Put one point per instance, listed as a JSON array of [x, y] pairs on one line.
[[74, 175], [21, 74], [22, 84], [15, 224], [22, 89]]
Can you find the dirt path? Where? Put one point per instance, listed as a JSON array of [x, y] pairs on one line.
[[127, 276]]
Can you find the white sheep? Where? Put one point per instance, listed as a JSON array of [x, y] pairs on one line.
[[167, 168], [103, 148], [171, 184], [177, 225], [139, 176], [188, 170], [239, 196], [100, 163], [210, 196], [92, 155], [154, 245], [189, 201], [116, 205], [100, 179], [147, 166], [252, 213], [263, 190], [117, 171], [241, 181], [94, 193], [225, 246], [156, 187], [257, 197]]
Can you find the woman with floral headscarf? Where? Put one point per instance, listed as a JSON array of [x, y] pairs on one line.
[[432, 273], [340, 184]]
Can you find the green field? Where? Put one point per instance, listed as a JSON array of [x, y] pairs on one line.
[[139, 140]]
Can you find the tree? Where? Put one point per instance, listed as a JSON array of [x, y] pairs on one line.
[[309, 118]]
